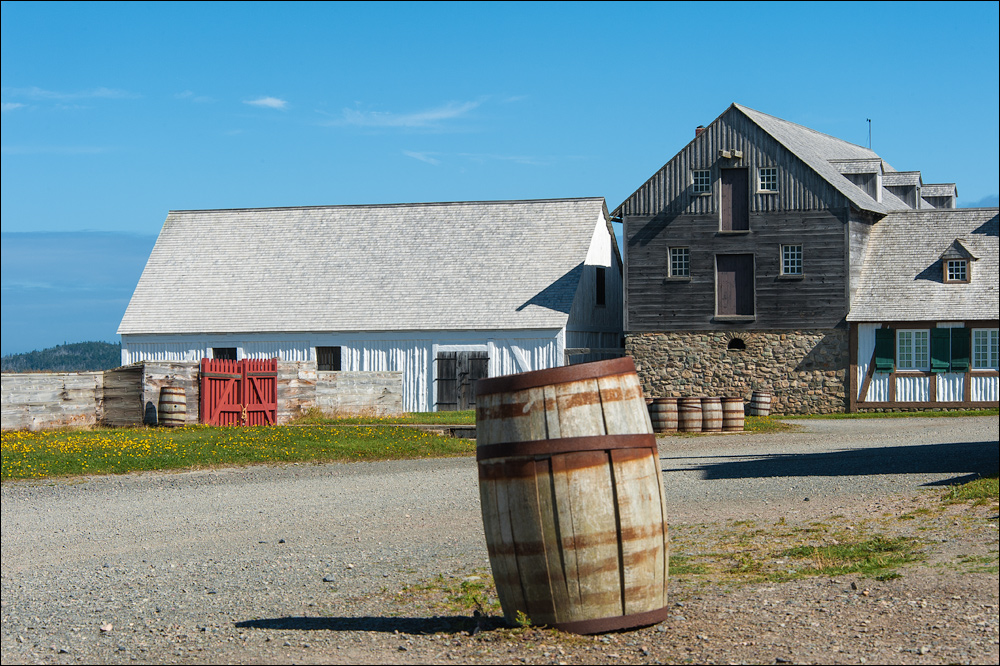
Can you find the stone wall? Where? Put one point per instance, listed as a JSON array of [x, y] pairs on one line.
[[805, 370]]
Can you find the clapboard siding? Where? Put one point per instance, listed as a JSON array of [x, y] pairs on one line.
[[656, 302]]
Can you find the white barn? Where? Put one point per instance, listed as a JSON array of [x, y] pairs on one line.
[[422, 289]]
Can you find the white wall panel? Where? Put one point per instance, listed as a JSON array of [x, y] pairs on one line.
[[878, 390], [866, 347], [985, 389], [913, 389], [950, 386]]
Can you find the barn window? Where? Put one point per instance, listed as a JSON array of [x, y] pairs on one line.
[[701, 181], [737, 344], [328, 358], [225, 353], [984, 349], [680, 262], [768, 179], [956, 270], [791, 260], [601, 279]]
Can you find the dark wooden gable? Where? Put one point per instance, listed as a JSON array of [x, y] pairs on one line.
[[670, 190]]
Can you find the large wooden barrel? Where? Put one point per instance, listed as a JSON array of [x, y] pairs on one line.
[[173, 407], [760, 403], [689, 414], [572, 497], [711, 415], [663, 414], [732, 414]]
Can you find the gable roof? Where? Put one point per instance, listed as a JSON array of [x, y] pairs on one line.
[[465, 265], [817, 150], [902, 280]]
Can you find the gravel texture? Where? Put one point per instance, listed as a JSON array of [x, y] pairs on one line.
[[305, 563]]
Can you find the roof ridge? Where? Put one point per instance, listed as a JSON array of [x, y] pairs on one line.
[[388, 205]]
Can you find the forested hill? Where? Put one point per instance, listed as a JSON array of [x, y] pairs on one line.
[[76, 357]]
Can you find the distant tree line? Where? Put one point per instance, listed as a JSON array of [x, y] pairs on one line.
[[76, 357]]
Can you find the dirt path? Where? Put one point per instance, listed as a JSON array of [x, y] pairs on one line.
[[365, 563]]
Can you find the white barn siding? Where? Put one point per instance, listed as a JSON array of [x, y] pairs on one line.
[[913, 389], [984, 389], [950, 386], [510, 352], [866, 348]]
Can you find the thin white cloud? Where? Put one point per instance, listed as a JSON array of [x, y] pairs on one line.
[[53, 150], [268, 102], [11, 106], [40, 94], [426, 118], [423, 157], [198, 99]]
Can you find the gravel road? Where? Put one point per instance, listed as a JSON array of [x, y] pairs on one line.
[[178, 567]]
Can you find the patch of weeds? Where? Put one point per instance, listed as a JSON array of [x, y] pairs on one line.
[[682, 566], [981, 491], [874, 557]]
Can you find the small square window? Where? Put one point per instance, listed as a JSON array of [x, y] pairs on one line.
[[985, 355], [680, 262], [768, 179], [328, 358], [702, 182], [225, 353], [956, 270], [791, 260]]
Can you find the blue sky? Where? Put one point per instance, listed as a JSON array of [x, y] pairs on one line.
[[113, 114]]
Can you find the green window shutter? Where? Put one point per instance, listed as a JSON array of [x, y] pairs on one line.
[[961, 348], [885, 349], [940, 349]]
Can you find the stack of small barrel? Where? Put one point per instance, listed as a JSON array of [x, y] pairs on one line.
[[705, 414]]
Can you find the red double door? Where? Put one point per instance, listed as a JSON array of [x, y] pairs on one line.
[[239, 392]]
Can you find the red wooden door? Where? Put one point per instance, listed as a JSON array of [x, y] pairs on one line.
[[239, 392]]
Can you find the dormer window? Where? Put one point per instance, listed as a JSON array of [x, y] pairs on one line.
[[956, 270]]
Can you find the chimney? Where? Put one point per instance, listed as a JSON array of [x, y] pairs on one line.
[[699, 129]]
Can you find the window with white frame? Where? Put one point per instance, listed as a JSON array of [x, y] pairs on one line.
[[984, 349], [791, 260], [958, 270], [913, 350], [768, 179], [701, 181], [680, 262]]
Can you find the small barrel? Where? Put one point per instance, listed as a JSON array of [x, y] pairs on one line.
[[689, 414], [663, 414], [711, 415], [760, 403], [572, 497], [732, 414], [173, 407]]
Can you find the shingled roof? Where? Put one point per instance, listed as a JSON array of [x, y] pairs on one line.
[[467, 265], [902, 278]]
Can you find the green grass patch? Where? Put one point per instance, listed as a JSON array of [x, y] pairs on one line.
[[876, 557], [898, 415], [28, 455], [766, 424], [317, 417], [985, 490]]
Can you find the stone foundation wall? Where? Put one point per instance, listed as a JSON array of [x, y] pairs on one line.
[[805, 370]]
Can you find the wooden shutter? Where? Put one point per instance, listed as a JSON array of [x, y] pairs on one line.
[[885, 349], [940, 349], [961, 349], [735, 204], [734, 284]]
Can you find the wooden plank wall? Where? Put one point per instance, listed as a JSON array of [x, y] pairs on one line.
[[37, 401], [656, 302], [123, 405], [363, 393]]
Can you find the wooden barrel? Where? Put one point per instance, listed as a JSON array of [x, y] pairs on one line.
[[572, 497], [711, 415], [760, 403], [173, 407], [663, 414], [732, 414], [689, 414]]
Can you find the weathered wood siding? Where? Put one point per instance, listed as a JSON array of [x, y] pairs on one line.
[[377, 393], [123, 405], [38, 401], [160, 374], [670, 188], [656, 302]]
